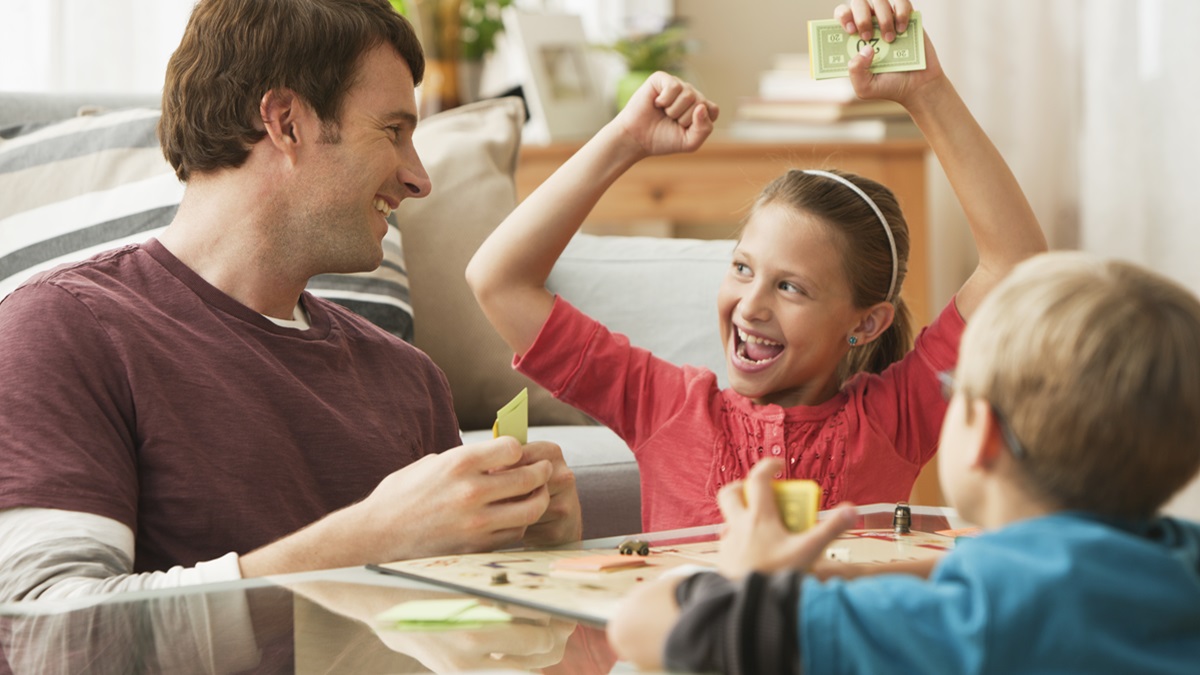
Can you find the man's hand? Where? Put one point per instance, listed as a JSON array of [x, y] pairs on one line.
[[563, 520], [477, 497], [755, 538], [667, 115], [468, 499]]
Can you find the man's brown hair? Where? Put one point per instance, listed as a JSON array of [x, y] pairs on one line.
[[234, 51]]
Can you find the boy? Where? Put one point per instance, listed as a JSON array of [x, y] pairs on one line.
[[1073, 418]]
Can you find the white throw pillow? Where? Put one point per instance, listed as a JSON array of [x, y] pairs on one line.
[[660, 293]]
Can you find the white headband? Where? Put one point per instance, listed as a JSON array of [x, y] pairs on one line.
[[886, 228]]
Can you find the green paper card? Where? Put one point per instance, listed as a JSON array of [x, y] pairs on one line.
[[448, 613], [513, 418]]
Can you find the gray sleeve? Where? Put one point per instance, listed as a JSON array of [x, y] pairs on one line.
[[743, 628], [34, 570], [50, 554]]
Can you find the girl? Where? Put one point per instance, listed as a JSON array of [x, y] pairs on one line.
[[814, 330]]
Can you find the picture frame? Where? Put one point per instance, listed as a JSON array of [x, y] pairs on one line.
[[558, 77]]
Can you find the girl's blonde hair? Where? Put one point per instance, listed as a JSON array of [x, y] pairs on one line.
[[1095, 365], [866, 252]]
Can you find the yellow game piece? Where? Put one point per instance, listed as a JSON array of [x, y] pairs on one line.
[[798, 500]]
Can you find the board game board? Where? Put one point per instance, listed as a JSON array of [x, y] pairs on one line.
[[529, 578]]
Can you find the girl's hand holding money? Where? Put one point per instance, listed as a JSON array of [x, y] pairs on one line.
[[904, 87]]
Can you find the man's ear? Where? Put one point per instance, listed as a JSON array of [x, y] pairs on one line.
[[876, 320], [282, 112]]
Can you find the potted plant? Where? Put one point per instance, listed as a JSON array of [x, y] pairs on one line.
[[645, 53], [457, 35]]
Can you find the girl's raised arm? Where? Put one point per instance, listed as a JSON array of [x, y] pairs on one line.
[[1003, 224], [508, 273]]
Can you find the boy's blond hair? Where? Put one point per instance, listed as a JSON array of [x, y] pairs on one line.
[[1096, 366]]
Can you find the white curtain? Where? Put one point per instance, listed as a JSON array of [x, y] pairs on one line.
[[88, 46], [1094, 105], [1140, 141]]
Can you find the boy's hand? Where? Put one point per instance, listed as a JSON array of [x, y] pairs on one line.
[[856, 19], [667, 115], [755, 538]]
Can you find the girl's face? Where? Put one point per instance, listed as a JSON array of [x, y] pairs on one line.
[[786, 309]]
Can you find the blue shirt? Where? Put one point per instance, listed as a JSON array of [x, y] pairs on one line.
[[1067, 592]]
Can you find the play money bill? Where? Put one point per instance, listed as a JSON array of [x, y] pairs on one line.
[[830, 49]]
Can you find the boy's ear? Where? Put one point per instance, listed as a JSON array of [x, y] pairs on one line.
[[876, 320], [991, 446], [283, 117]]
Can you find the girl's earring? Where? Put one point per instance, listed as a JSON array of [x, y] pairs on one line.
[[852, 340]]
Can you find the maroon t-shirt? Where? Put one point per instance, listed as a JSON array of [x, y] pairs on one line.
[[131, 388]]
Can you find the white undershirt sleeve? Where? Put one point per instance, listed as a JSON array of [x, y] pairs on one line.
[[55, 554]]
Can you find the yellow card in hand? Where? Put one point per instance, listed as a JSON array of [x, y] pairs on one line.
[[513, 418]]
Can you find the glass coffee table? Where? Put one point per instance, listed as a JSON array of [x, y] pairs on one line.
[[326, 622]]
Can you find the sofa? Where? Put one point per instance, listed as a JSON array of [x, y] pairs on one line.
[[82, 173]]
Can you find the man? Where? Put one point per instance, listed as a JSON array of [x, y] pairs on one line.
[[180, 411]]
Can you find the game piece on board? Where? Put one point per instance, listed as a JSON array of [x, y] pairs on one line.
[[631, 546], [902, 518]]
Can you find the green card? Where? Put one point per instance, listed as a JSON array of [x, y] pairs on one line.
[[442, 614], [513, 418], [830, 49]]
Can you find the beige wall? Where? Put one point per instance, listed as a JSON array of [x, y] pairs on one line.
[[738, 39]]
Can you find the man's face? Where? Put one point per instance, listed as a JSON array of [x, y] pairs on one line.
[[359, 170]]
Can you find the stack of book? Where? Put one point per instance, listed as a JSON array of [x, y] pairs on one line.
[[791, 106]]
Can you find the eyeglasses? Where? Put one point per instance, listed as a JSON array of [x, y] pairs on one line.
[[1010, 437]]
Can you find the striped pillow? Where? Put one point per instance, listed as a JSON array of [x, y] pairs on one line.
[[88, 184]]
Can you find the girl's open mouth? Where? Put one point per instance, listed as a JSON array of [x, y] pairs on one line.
[[752, 351]]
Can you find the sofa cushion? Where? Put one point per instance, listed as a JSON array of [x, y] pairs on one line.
[[660, 293], [82, 185], [470, 153], [78, 187]]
